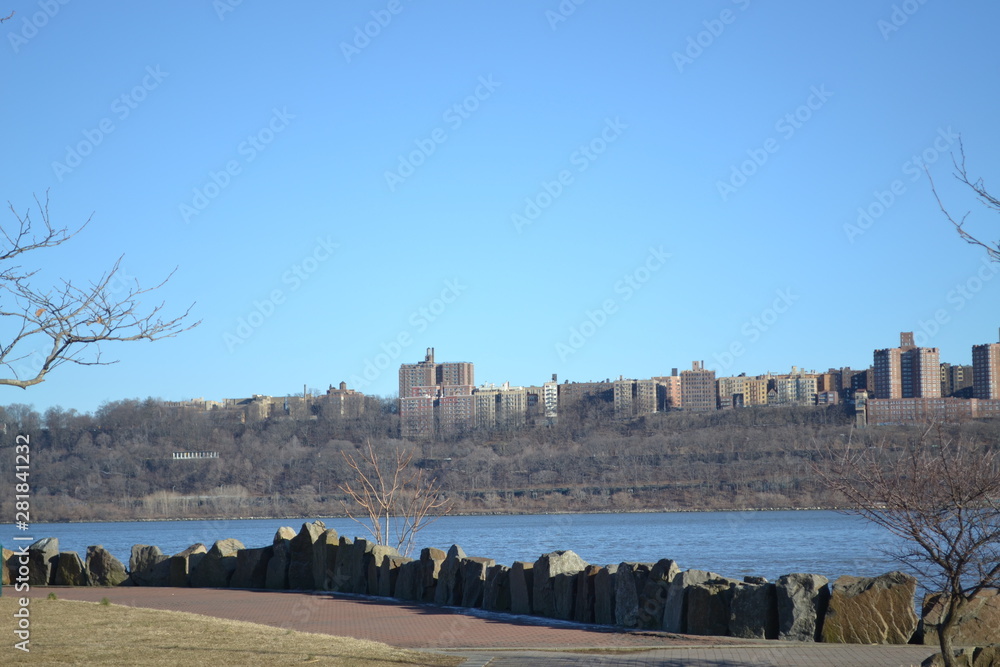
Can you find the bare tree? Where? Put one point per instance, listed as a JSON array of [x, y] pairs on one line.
[[68, 322], [942, 502], [394, 498], [978, 188]]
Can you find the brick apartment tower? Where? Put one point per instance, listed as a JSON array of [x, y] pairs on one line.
[[427, 373], [433, 394], [907, 371], [986, 370], [698, 388]]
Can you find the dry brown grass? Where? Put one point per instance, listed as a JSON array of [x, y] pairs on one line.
[[67, 632]]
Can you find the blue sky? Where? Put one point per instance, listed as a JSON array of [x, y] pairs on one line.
[[614, 190]]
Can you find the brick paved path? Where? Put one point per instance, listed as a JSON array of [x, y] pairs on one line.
[[500, 641]]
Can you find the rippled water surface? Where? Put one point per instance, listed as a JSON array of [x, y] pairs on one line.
[[730, 543]]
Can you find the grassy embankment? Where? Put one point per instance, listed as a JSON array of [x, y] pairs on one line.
[[68, 632]]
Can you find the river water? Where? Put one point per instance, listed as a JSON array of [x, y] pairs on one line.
[[732, 544]]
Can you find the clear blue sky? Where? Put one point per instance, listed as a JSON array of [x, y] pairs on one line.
[[693, 165]]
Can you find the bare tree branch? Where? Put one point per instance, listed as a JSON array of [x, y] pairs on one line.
[[67, 322], [978, 188]]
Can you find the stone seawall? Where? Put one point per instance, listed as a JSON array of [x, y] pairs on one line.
[[559, 585]]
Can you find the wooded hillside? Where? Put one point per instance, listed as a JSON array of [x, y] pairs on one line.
[[117, 463]]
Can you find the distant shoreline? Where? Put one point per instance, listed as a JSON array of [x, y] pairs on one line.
[[466, 514]]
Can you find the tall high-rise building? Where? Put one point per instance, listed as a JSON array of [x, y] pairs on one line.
[[421, 374], [435, 396], [416, 414], [698, 388], [456, 408], [427, 373], [887, 367], [986, 370], [550, 398], [671, 389], [907, 371], [454, 373]]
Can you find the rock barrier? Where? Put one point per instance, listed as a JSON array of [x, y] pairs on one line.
[[559, 585]]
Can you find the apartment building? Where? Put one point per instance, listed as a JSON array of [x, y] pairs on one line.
[[436, 397], [986, 371], [428, 373], [637, 397], [907, 371], [698, 392], [671, 389], [887, 411], [416, 412], [550, 399], [502, 407], [795, 388], [956, 380], [742, 391], [342, 402]]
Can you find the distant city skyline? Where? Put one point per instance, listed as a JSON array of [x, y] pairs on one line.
[[429, 371], [636, 186]]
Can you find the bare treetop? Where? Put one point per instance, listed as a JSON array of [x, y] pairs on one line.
[[978, 187], [941, 499], [68, 322]]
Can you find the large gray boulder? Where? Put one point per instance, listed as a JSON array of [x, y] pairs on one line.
[[864, 610], [300, 557], [802, 602], [409, 581], [217, 567], [496, 594], [583, 608], [359, 558], [103, 569], [753, 611], [373, 561], [285, 533], [388, 575], [324, 559], [181, 564], [653, 596], [554, 584], [251, 568], [978, 624], [522, 583], [70, 570], [42, 557], [604, 595], [148, 566], [449, 581], [352, 573], [630, 579], [276, 573], [708, 607], [474, 571], [341, 581], [675, 606], [431, 560]]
